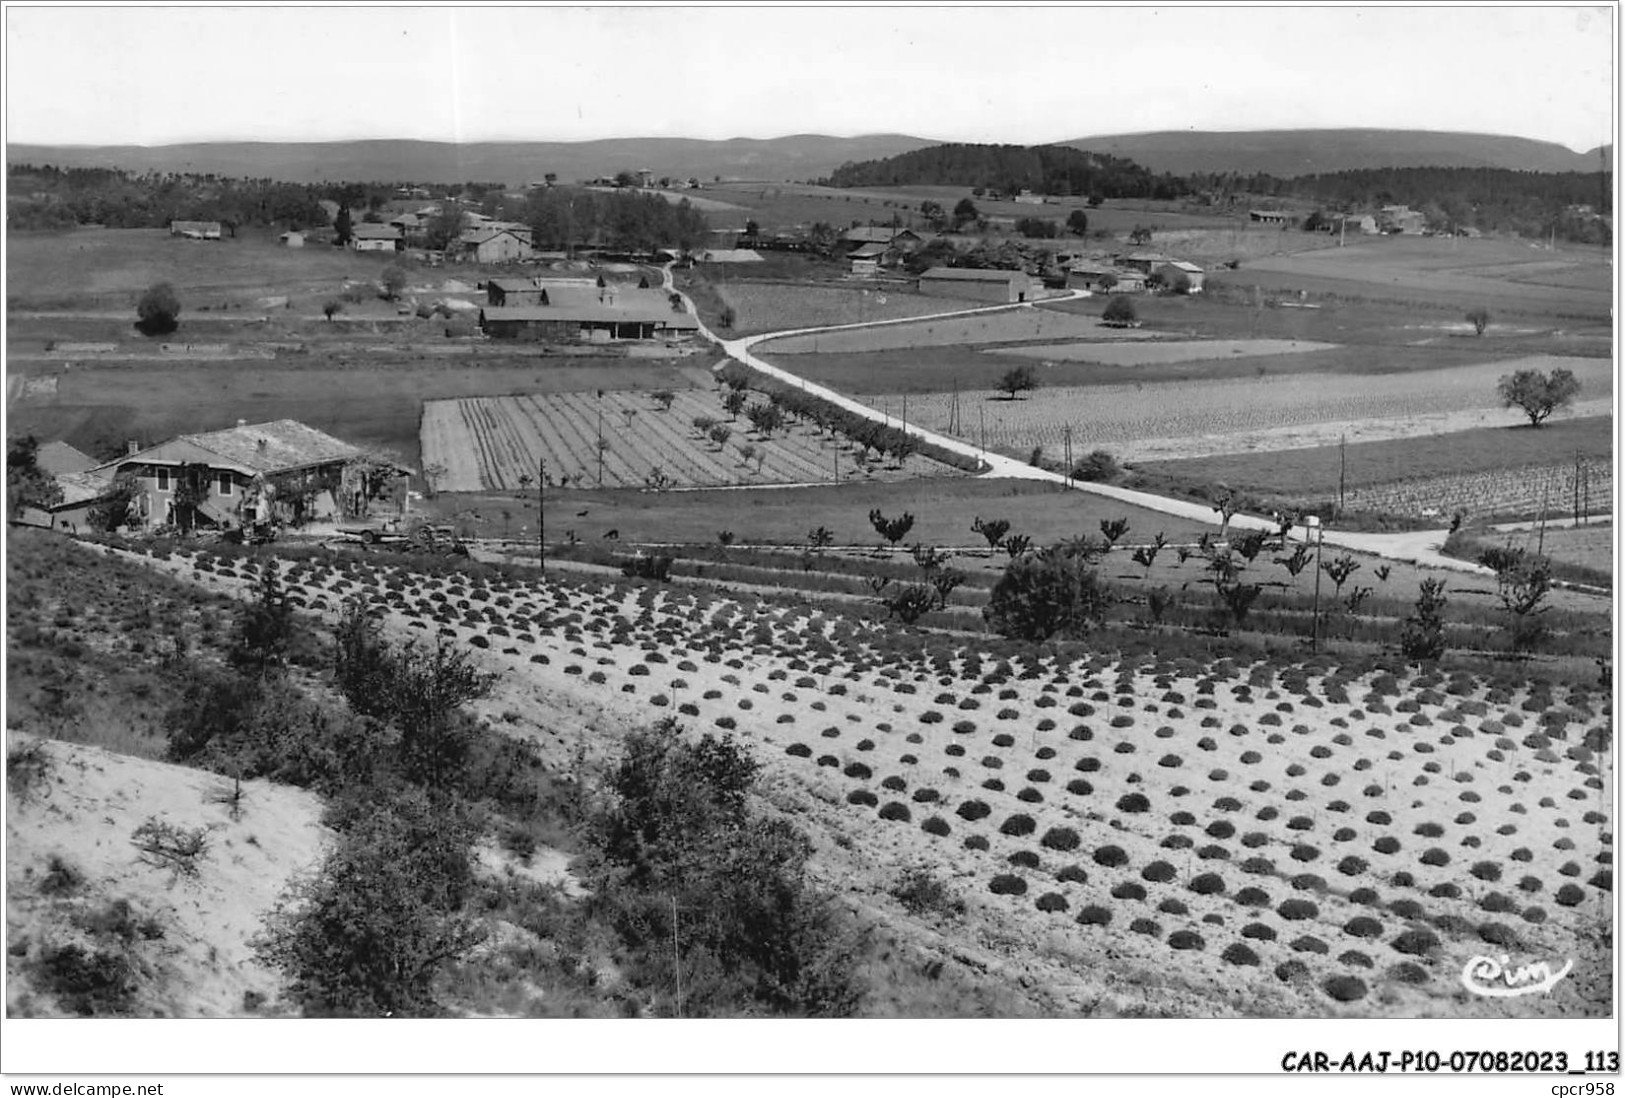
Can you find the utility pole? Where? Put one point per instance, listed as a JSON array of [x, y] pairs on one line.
[[1068, 436], [1576, 487], [1320, 538], [1545, 496], [676, 958], [541, 514], [981, 414], [600, 446], [1342, 470]]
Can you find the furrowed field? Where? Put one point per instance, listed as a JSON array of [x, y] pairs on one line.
[[491, 442], [1250, 837]]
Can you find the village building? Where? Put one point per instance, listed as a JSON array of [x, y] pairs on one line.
[[1175, 269], [1281, 218], [281, 471], [866, 260], [58, 459], [292, 239], [369, 237], [861, 235], [1028, 198], [574, 314], [195, 230], [1402, 220], [500, 245], [1144, 262], [977, 284]]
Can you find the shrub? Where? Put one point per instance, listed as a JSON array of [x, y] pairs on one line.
[[1111, 856], [1146, 926], [1238, 954], [1252, 896], [1072, 873], [1363, 926], [1060, 838], [1570, 895], [1259, 932], [976, 842], [1295, 910], [863, 797], [1158, 872], [1207, 884], [895, 810], [1345, 989], [1094, 915], [1186, 940], [1416, 943], [1018, 825], [1131, 803], [1052, 901], [1008, 884]]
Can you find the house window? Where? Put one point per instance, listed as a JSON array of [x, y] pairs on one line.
[[163, 480], [225, 484]]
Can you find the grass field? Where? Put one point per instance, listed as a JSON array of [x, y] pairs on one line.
[[1588, 547], [943, 510], [1443, 271], [1162, 352], [1314, 473], [371, 404], [1104, 415]]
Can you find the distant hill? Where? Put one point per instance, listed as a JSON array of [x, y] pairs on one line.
[[803, 156], [1284, 153]]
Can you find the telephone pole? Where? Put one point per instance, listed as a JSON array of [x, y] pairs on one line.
[[541, 514]]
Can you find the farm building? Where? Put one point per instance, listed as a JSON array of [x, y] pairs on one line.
[[1028, 198], [1281, 218], [590, 315], [292, 239], [1364, 224], [730, 255], [1144, 262], [1402, 220], [375, 238], [866, 260], [195, 230], [511, 292], [58, 458], [412, 226], [861, 235], [977, 283], [282, 470], [1173, 270], [487, 245]]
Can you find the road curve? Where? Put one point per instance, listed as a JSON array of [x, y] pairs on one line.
[[1420, 547]]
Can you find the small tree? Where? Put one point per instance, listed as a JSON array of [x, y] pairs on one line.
[[1119, 312], [719, 434], [113, 509], [1077, 223], [1479, 318], [1098, 466], [964, 212], [1296, 562], [27, 485], [908, 604], [1537, 394], [1018, 379], [664, 398], [1522, 581], [265, 627], [1055, 592], [733, 402], [394, 279], [945, 580], [1422, 637], [820, 539], [993, 531], [1113, 530], [1340, 569], [1139, 235], [1146, 555], [332, 307], [158, 311], [893, 530]]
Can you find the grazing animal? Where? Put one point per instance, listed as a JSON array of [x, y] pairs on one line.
[[612, 535], [581, 514]]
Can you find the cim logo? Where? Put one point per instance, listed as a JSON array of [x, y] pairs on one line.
[[1497, 979]]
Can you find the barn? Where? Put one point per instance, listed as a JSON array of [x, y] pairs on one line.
[[368, 237], [977, 283]]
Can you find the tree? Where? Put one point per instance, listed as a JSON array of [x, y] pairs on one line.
[[624, 179], [158, 311], [664, 398], [965, 212], [893, 530], [27, 485], [1522, 582], [1055, 592], [934, 216], [719, 433], [1018, 379], [1119, 312], [993, 531], [1479, 318], [1139, 235], [710, 902], [265, 627], [1537, 394], [443, 228], [332, 306], [1340, 569], [1097, 466], [370, 931], [343, 227], [1077, 223], [113, 509], [394, 279], [752, 229]]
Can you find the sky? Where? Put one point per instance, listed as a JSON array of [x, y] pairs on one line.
[[1027, 75]]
